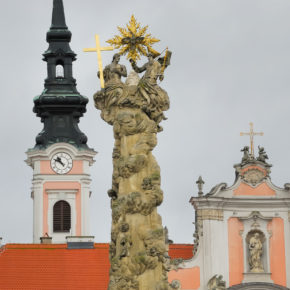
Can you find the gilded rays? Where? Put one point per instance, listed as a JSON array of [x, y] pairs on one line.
[[134, 40]]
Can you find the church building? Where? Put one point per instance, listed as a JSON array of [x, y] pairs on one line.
[[242, 231]]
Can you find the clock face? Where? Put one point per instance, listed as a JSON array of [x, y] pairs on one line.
[[61, 163]]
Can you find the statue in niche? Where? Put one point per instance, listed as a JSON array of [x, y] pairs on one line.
[[155, 98], [256, 251], [262, 155]]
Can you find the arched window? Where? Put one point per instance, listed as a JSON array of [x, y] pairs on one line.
[[59, 71], [61, 217]]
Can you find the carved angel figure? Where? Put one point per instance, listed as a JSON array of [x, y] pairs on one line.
[[155, 98], [256, 251], [246, 156], [114, 87], [262, 155]]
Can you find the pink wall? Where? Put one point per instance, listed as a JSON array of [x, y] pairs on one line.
[[61, 185], [189, 278], [277, 251], [261, 190], [236, 252], [77, 168]]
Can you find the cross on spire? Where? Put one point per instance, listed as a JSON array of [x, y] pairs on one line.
[[252, 134]]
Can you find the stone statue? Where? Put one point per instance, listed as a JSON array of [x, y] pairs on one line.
[[246, 156], [114, 71], [262, 155], [155, 99], [256, 251], [216, 283], [114, 87], [138, 250]]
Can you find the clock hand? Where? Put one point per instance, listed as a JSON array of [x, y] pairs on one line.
[[58, 159]]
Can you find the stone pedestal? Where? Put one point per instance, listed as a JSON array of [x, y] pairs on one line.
[[257, 277]]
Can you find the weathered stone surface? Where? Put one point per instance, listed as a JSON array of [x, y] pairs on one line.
[[216, 283], [138, 252]]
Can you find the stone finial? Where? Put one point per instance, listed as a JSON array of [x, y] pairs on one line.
[[200, 184]]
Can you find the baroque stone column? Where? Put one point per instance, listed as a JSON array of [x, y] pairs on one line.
[[138, 252]]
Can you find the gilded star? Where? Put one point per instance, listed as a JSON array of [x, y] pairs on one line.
[[134, 40]]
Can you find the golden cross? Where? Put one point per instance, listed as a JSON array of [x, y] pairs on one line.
[[98, 50], [252, 134]]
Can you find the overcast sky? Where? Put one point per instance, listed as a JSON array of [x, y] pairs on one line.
[[230, 66]]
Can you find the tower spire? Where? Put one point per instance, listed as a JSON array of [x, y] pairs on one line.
[[58, 18], [58, 35], [60, 105]]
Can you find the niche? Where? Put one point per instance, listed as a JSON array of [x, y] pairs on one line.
[[256, 252], [59, 71]]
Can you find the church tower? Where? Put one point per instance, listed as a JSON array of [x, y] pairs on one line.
[[61, 157]]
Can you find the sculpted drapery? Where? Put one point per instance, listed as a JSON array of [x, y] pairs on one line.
[[138, 252]]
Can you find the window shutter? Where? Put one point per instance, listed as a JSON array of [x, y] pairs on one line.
[[61, 217]]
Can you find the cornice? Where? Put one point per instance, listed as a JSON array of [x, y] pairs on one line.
[[64, 178], [82, 154], [243, 203]]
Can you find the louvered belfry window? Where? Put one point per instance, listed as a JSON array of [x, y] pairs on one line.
[[61, 217]]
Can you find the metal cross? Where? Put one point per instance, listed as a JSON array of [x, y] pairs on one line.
[[252, 134], [98, 50]]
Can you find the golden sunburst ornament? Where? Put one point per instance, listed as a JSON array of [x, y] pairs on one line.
[[134, 40]]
